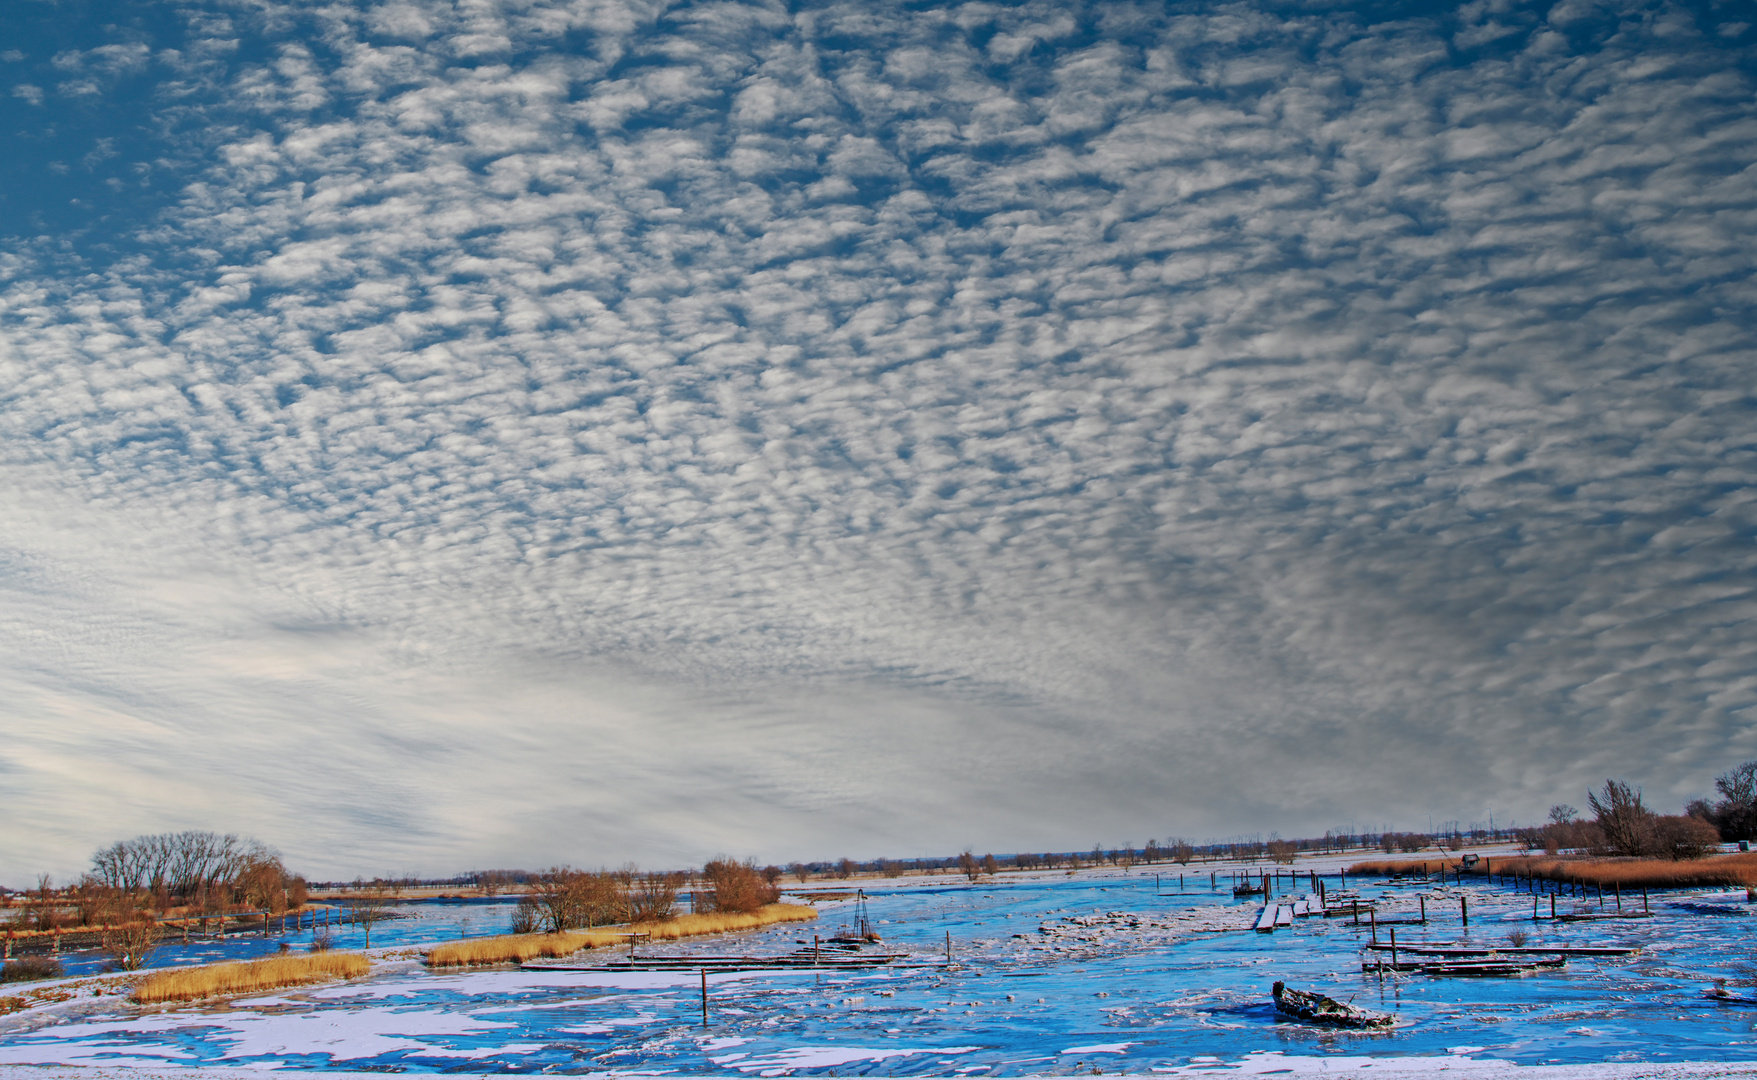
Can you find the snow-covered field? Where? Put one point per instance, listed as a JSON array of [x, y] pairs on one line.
[[1050, 974]]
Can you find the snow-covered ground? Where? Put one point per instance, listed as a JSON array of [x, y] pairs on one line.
[[1050, 974]]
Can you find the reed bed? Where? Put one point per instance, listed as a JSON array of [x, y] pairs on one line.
[[1403, 867], [518, 948], [1737, 870], [188, 984]]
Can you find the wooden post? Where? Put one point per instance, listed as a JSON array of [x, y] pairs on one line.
[[1464, 910], [704, 997], [1424, 910], [1354, 905], [1618, 887], [1393, 948], [1534, 909], [948, 945], [1552, 905], [1374, 914], [1644, 907]]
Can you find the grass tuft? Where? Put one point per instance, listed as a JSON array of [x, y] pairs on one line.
[[518, 948], [188, 984]]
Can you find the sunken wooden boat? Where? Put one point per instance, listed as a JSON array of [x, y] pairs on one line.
[[1316, 1008], [1247, 890]]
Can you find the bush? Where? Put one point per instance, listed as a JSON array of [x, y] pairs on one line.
[[31, 968], [1685, 837], [569, 899], [739, 886], [129, 946]]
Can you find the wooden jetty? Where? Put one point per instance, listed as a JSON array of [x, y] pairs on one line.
[[1507, 950], [1486, 967]]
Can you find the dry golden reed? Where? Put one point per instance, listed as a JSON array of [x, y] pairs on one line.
[[1739, 870], [1403, 867], [522, 947], [1628, 873], [188, 984]]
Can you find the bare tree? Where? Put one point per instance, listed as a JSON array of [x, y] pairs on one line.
[[369, 906], [968, 865], [1627, 825], [1736, 814]]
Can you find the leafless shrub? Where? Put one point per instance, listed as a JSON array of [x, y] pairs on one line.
[[570, 899], [738, 886], [1684, 837], [653, 896], [130, 946]]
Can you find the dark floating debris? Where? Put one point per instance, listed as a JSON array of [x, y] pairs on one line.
[[1318, 1009]]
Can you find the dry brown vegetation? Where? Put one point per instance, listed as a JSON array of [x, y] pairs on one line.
[[1740, 870], [1403, 867], [1629, 873], [519, 948], [189, 984]]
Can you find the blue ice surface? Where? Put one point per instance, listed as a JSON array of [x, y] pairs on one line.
[[1009, 1005]]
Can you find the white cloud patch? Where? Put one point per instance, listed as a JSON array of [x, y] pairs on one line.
[[545, 431]]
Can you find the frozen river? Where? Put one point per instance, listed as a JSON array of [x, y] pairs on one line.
[[1126, 979]]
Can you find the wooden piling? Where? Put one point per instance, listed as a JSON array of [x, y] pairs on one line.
[[1617, 887], [1424, 910], [1374, 914], [1464, 910], [1393, 948], [704, 997]]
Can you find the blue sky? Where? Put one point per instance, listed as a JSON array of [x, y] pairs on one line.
[[499, 432]]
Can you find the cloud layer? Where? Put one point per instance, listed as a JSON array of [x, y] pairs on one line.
[[518, 431]]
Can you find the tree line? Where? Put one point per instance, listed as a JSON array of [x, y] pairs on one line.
[[1621, 823]]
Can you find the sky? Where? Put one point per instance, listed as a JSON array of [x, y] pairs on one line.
[[445, 434]]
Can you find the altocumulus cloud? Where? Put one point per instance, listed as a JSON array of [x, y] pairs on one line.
[[445, 433]]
